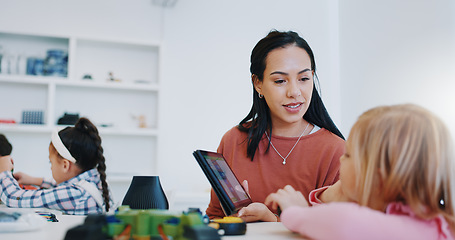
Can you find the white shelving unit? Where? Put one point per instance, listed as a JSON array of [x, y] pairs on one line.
[[114, 106]]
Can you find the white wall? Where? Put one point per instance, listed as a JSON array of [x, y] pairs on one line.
[[379, 52], [102, 18], [206, 80], [397, 52]]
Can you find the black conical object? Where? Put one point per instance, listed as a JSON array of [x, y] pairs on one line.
[[145, 192]]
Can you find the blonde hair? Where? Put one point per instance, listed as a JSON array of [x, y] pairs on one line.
[[405, 153]]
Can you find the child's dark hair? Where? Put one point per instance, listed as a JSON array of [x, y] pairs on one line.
[[5, 147], [84, 144]]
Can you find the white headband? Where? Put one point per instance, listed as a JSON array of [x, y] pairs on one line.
[[60, 147]]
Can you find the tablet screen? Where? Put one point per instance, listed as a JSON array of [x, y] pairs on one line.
[[227, 179], [224, 182]]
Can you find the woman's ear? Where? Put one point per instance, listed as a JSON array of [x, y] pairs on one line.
[[256, 83]]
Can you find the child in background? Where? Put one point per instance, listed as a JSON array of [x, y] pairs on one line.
[[5, 148], [397, 181], [78, 168]]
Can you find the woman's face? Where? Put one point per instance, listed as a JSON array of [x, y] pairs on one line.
[[287, 85]]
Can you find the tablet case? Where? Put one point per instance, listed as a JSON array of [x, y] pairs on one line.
[[228, 206]]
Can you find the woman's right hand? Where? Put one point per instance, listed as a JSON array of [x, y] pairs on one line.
[[25, 179]]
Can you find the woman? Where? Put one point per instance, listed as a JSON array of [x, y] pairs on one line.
[[287, 115]]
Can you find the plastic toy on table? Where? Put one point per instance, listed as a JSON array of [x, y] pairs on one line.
[[145, 224]]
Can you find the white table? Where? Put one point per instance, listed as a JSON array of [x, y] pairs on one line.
[[265, 231], [50, 231]]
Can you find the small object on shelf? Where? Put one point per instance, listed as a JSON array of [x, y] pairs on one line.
[[55, 63], [32, 117], [68, 119], [7, 121], [35, 66], [141, 121], [87, 77], [111, 78], [21, 65]]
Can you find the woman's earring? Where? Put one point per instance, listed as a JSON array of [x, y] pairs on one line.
[[260, 95]]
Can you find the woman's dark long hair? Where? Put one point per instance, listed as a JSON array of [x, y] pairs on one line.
[[258, 120]]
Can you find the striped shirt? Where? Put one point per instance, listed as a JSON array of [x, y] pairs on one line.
[[67, 196]]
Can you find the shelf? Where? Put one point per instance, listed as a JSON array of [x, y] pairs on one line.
[[29, 79], [24, 128], [58, 81], [122, 94], [33, 128]]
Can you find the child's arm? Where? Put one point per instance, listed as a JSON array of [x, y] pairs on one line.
[[349, 221], [23, 178], [286, 197], [64, 198]]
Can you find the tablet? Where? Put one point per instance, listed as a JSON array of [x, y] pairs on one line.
[[227, 187]]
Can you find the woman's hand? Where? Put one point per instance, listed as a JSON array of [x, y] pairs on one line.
[[6, 163], [257, 212], [25, 179], [285, 198]]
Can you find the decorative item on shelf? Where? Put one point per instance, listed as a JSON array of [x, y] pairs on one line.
[[87, 77], [56, 63], [35, 66], [21, 64], [106, 125], [32, 117], [68, 119], [111, 78], [6, 65], [7, 121], [141, 120], [145, 192]]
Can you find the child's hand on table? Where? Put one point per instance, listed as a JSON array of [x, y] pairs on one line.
[[25, 179], [285, 198]]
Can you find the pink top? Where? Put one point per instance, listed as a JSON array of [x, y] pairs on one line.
[[343, 220]]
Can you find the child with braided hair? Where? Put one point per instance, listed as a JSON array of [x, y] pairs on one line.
[[78, 168]]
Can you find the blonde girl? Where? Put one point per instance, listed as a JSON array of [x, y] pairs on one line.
[[396, 182]]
